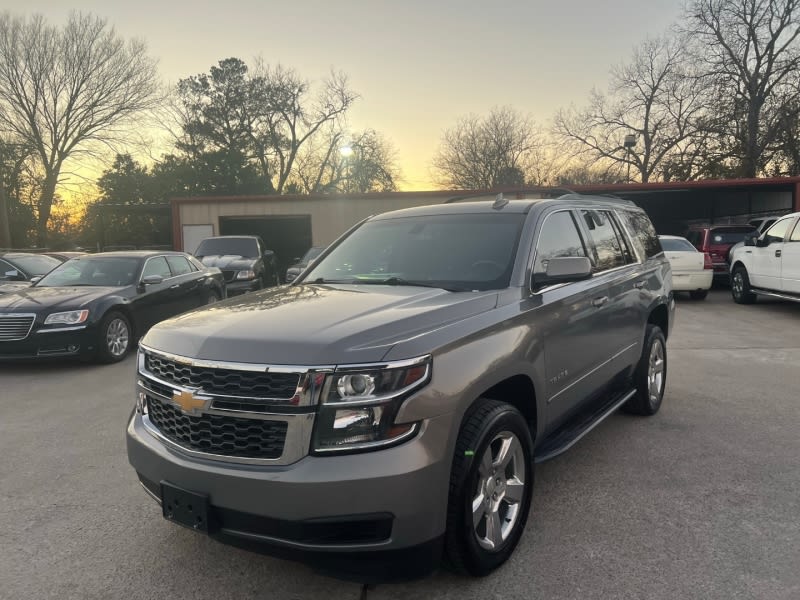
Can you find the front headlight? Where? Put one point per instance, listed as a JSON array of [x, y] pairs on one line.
[[72, 317], [246, 275], [359, 406]]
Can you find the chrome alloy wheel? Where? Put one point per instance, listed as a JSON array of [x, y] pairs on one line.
[[655, 372], [117, 337], [500, 489]]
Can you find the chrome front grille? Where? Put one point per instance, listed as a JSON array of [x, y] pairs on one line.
[[224, 381], [245, 413], [219, 434], [15, 326]]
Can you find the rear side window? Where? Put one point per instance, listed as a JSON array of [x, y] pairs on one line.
[[609, 248], [644, 234], [179, 265], [559, 237]]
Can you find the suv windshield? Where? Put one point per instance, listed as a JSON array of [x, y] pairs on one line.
[[247, 248], [457, 252], [99, 271]]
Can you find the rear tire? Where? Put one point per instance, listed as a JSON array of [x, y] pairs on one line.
[[491, 484], [650, 376], [114, 337], [740, 286], [698, 294]]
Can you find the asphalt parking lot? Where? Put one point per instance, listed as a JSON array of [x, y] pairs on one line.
[[701, 501]]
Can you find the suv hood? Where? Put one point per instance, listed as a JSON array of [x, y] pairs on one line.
[[228, 261], [315, 324]]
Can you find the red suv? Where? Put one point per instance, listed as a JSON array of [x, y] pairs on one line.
[[716, 241]]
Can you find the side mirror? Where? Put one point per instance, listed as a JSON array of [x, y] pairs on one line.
[[152, 280], [35, 279], [762, 242], [750, 239], [563, 269]]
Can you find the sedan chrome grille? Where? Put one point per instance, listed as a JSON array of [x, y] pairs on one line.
[[15, 326]]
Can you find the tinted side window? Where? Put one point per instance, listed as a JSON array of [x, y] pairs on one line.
[[559, 237], [5, 268], [777, 232], [179, 265], [607, 245], [157, 266], [644, 234]]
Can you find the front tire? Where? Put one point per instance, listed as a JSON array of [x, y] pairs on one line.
[[650, 376], [491, 485], [114, 339], [740, 286]]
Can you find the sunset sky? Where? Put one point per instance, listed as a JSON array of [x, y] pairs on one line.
[[418, 65]]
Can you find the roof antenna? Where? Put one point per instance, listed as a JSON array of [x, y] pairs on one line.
[[499, 201]]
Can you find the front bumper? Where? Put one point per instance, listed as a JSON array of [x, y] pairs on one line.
[[44, 343], [376, 516]]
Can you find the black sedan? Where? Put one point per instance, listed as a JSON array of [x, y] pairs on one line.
[[18, 268], [99, 304]]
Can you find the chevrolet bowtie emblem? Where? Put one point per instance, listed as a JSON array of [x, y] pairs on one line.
[[189, 402]]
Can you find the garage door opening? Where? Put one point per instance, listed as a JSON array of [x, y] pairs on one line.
[[289, 236]]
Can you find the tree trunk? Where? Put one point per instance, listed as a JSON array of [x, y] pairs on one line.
[[45, 206], [5, 230]]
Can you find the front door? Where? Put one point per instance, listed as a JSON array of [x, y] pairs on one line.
[[766, 271], [790, 262]]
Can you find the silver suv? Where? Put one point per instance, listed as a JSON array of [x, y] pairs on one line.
[[386, 409]]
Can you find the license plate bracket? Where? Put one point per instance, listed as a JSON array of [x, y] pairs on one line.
[[186, 508]]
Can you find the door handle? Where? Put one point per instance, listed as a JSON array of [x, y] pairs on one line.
[[598, 302], [175, 287], [639, 284], [778, 253]]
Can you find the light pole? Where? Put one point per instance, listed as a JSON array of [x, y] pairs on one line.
[[629, 143]]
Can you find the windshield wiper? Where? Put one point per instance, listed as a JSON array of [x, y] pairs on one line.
[[407, 282]]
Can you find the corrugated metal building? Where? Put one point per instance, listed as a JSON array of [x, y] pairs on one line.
[[292, 224]]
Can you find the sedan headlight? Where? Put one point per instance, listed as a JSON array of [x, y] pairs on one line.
[[359, 406], [246, 275], [71, 317]]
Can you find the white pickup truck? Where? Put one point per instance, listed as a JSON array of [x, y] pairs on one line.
[[768, 264]]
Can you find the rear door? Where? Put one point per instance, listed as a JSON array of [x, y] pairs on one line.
[[790, 261], [621, 321], [153, 303], [186, 285]]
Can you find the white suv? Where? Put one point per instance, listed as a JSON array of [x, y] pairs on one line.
[[768, 264]]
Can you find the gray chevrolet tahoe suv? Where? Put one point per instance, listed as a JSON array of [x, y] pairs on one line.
[[386, 409]]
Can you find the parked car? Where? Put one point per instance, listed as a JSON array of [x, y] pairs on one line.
[[717, 240], [761, 224], [692, 270], [98, 305], [389, 404], [769, 264], [65, 256], [244, 260], [18, 268], [301, 263]]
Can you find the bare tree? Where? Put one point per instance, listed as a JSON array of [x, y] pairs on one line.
[[749, 53], [655, 98], [67, 91], [486, 152]]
